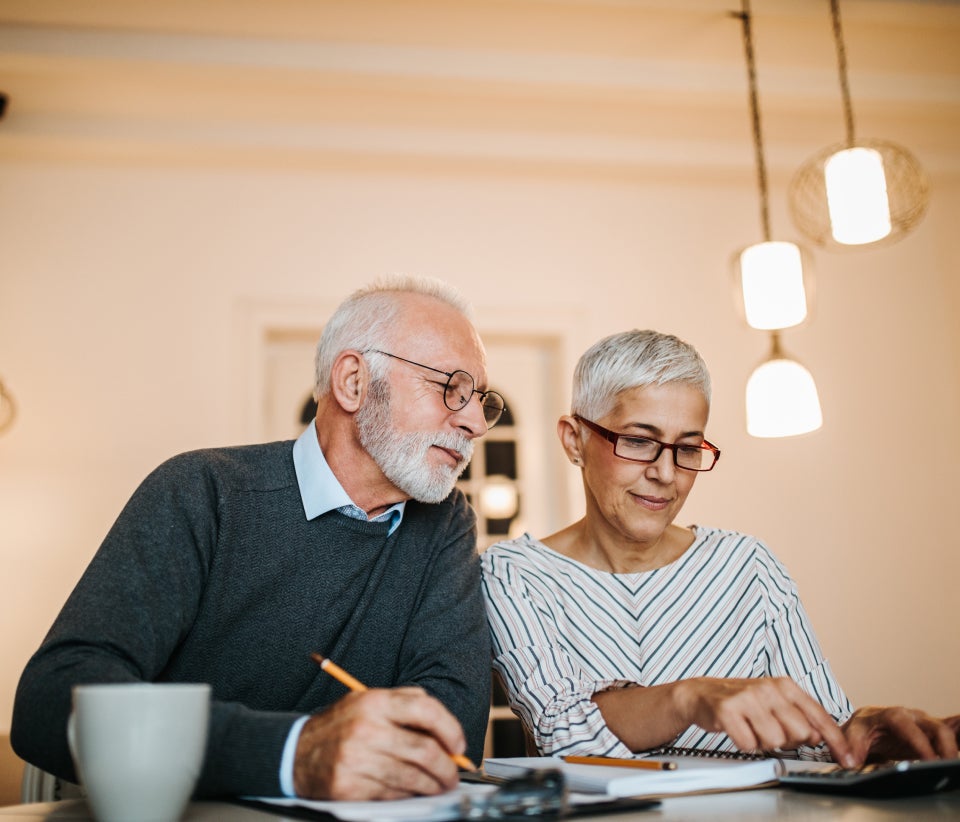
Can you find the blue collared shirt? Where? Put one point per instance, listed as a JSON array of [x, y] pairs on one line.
[[320, 492]]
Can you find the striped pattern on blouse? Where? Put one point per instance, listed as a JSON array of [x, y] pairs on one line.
[[563, 631]]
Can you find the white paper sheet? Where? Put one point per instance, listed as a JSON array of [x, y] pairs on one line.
[[440, 808]]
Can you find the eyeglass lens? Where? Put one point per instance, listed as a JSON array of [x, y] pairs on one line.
[[642, 449], [459, 389]]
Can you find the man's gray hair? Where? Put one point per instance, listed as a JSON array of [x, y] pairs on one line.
[[365, 320], [633, 359]]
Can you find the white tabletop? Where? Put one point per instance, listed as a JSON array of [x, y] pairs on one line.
[[743, 806]]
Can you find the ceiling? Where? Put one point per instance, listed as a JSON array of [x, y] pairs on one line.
[[597, 84]]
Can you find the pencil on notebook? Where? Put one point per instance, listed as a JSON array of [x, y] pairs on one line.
[[355, 684], [645, 764]]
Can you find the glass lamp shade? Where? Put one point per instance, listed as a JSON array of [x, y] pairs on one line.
[[771, 282], [782, 400], [857, 196]]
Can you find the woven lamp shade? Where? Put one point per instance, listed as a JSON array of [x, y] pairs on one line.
[[908, 193]]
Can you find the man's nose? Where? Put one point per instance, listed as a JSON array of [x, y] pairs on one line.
[[471, 419]]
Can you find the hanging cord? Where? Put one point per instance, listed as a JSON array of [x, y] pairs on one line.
[[744, 17], [842, 65]]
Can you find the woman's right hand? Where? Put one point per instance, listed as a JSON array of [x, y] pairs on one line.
[[762, 714]]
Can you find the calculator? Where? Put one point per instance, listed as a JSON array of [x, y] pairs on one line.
[[887, 779]]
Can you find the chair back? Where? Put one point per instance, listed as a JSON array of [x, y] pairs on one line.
[[40, 786]]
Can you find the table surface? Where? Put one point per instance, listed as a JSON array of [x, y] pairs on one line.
[[772, 803]]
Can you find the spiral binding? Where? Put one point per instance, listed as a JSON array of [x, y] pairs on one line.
[[705, 753]]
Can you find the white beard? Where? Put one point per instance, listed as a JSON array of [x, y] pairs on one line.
[[403, 456]]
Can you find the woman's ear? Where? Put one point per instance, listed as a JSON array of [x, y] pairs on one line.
[[349, 378], [568, 429]]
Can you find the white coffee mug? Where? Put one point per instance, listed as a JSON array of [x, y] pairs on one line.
[[138, 747]]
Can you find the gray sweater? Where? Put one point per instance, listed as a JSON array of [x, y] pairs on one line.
[[212, 573]]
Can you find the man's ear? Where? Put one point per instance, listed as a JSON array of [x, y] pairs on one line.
[[349, 378], [568, 430]]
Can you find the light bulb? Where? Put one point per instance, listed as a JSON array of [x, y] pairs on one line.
[[498, 498], [782, 400], [857, 196], [771, 277]]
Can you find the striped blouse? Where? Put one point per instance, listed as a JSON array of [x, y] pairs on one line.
[[563, 631]]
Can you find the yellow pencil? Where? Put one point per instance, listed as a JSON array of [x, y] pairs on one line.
[[355, 684], [338, 673], [646, 764]]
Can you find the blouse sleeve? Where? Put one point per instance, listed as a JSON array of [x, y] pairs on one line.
[[794, 649], [546, 687]]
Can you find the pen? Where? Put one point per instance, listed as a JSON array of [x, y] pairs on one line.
[[645, 764], [355, 684]]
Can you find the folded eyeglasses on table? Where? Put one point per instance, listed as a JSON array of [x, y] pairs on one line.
[[541, 794]]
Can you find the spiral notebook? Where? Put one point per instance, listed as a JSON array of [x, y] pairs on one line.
[[692, 774]]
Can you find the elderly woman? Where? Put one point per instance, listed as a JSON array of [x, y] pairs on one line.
[[625, 632]]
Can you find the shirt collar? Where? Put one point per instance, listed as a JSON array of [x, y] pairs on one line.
[[320, 490]]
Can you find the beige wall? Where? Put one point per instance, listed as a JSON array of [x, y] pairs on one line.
[[130, 271]]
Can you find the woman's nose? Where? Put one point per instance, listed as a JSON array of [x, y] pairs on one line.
[[663, 466]]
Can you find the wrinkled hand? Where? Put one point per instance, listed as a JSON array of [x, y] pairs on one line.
[[764, 714], [378, 744], [879, 734], [953, 722]]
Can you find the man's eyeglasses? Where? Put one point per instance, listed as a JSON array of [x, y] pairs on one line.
[[458, 389], [644, 449], [536, 794]]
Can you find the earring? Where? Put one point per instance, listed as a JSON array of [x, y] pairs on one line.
[[577, 461]]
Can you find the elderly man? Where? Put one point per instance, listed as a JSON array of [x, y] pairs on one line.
[[231, 565]]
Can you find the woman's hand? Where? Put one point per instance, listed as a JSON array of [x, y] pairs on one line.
[[763, 714], [757, 714], [878, 734]]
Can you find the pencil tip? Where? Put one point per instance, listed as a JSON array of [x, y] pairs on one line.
[[317, 658], [464, 762]]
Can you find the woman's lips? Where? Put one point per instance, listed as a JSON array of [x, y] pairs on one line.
[[651, 503]]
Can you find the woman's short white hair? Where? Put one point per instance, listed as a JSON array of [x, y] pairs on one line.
[[633, 359], [365, 320]]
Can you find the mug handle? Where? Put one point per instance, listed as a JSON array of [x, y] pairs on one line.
[[72, 734]]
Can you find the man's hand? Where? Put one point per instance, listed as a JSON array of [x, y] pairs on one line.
[[763, 714], [879, 734], [379, 744]]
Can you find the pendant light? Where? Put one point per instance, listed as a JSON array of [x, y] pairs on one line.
[[859, 192], [781, 396], [770, 274]]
